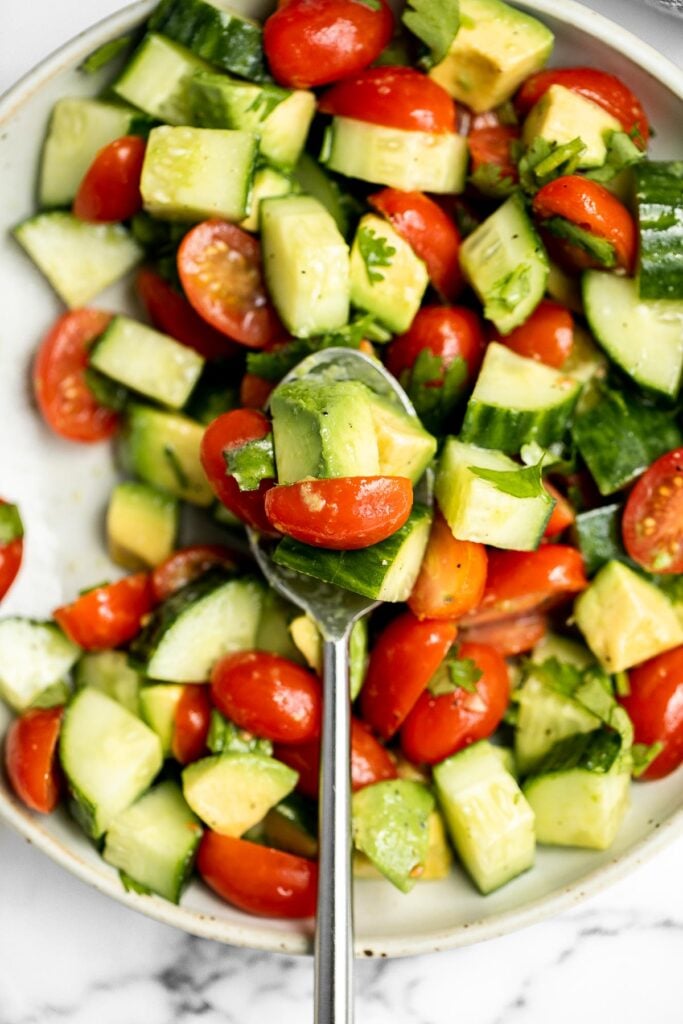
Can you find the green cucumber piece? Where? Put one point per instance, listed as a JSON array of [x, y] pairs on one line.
[[234, 792], [273, 633], [109, 758], [389, 821], [158, 705], [598, 535], [142, 525], [516, 401], [110, 672], [34, 657], [315, 181], [659, 202], [505, 262], [388, 280], [384, 572], [545, 716], [78, 259], [154, 842], [215, 32], [268, 183], [155, 79]]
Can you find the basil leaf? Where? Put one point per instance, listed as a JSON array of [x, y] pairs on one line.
[[524, 482]]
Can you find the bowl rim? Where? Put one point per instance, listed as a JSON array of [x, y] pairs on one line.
[[590, 22]]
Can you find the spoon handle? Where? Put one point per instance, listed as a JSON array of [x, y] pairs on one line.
[[334, 930]]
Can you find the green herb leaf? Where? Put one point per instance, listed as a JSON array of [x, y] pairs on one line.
[[544, 161], [252, 462], [490, 181], [525, 482], [275, 365], [375, 252], [593, 751], [224, 737], [104, 54], [11, 526], [435, 22], [621, 153], [435, 392], [374, 5], [453, 674], [598, 248], [642, 755]]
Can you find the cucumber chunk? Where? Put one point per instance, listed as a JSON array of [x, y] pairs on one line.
[[34, 656], [156, 77], [234, 792], [489, 820], [109, 758], [545, 716], [215, 32], [142, 525], [154, 841], [659, 187], [269, 183], [390, 828], [110, 673], [273, 633], [158, 705]]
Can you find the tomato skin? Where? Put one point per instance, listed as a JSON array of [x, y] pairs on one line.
[[515, 635], [396, 97], [651, 524], [255, 391], [315, 42], [447, 332], [231, 430], [171, 313], [370, 761], [191, 723], [546, 336], [592, 207], [452, 576], [108, 616], [188, 564], [562, 515], [268, 695], [522, 581], [402, 661], [219, 266], [608, 91], [655, 706], [66, 403], [492, 144], [110, 189], [342, 513], [429, 231], [31, 757], [440, 726], [258, 879]]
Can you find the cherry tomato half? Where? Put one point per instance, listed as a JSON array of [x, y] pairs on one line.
[[547, 335], [440, 726], [110, 615], [257, 878], [268, 695], [188, 564], [655, 706], [219, 266], [492, 144], [452, 575], [11, 548], [396, 97], [110, 189], [64, 399], [191, 723], [31, 757], [314, 42], [608, 91], [402, 661], [593, 208], [652, 525], [171, 313], [446, 331], [509, 637], [429, 231], [231, 430], [342, 513]]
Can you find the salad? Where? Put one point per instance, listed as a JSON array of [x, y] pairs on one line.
[[422, 189]]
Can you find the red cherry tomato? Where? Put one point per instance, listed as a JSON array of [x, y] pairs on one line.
[[268, 696], [655, 706], [562, 514], [220, 271], [258, 879], [110, 615], [110, 189], [11, 554], [394, 97], [440, 726], [492, 144], [191, 723], [547, 335], [171, 313], [231, 430], [255, 391], [343, 513], [31, 757], [447, 332], [314, 42], [188, 564], [608, 91], [403, 660], [523, 581], [593, 208], [64, 399], [429, 231], [452, 576], [509, 636], [652, 526], [370, 761]]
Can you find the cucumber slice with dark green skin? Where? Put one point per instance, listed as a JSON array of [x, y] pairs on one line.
[[384, 572], [110, 672], [155, 79], [109, 758], [234, 792], [315, 181], [34, 657], [598, 535], [659, 200], [153, 842], [516, 401], [544, 717], [215, 34]]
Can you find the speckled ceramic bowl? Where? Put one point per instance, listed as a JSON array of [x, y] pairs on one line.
[[62, 490]]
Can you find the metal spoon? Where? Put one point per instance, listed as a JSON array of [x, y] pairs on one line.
[[334, 611]]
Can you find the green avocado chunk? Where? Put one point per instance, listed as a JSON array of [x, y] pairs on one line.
[[390, 828]]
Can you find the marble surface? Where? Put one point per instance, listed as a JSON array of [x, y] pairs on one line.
[[69, 955]]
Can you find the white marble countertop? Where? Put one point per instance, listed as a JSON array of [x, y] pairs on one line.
[[70, 955]]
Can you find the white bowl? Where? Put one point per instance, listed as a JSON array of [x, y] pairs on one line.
[[62, 489]]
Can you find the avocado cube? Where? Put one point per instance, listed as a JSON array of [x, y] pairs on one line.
[[233, 792], [388, 279], [323, 430], [405, 447], [562, 115], [496, 48], [390, 826]]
